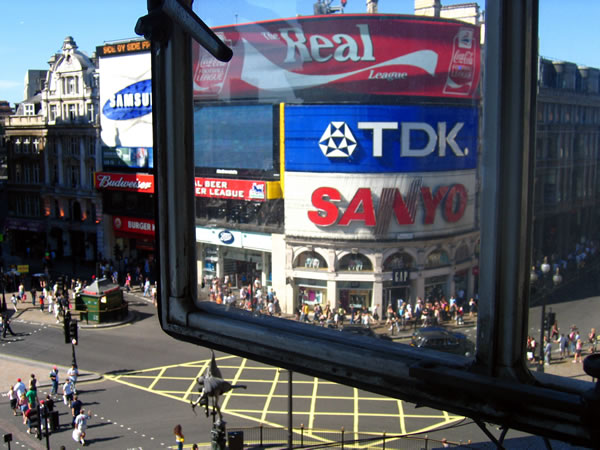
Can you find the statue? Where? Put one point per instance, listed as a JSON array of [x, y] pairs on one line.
[[212, 386]]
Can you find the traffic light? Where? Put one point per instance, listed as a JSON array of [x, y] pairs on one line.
[[546, 325], [551, 319], [66, 328], [73, 331]]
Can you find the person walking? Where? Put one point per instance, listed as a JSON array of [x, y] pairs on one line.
[[73, 373], [54, 379], [6, 326], [179, 438], [592, 340], [13, 399], [33, 294], [13, 300], [578, 350], [76, 406], [20, 388], [68, 392], [79, 433]]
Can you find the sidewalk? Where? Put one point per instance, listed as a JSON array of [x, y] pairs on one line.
[[14, 367]]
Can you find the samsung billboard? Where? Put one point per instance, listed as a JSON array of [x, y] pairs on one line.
[[380, 138]]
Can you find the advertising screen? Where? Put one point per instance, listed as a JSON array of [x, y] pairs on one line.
[[380, 138], [232, 137], [341, 57], [126, 101]]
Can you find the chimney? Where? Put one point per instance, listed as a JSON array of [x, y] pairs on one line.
[[429, 8]]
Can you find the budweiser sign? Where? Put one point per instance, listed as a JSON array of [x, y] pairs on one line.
[[137, 182], [338, 56]]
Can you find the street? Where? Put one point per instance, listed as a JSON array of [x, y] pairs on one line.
[[141, 382]]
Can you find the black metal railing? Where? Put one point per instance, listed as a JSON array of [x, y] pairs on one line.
[[304, 438]]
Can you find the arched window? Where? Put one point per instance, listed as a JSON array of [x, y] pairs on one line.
[[437, 258], [310, 260], [355, 261], [462, 254], [398, 261]]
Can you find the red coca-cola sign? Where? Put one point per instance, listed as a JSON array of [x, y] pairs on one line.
[[133, 225], [340, 56], [250, 190], [137, 182]]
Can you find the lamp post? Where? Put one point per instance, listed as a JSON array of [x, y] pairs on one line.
[[547, 290]]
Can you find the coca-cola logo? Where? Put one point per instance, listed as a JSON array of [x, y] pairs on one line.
[[107, 181]]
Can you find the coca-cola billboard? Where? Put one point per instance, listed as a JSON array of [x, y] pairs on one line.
[[137, 182], [342, 57]]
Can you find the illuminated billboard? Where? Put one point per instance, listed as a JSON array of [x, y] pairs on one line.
[[381, 206], [380, 138], [126, 104], [342, 57]]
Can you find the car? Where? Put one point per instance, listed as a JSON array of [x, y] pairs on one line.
[[361, 330], [443, 340]]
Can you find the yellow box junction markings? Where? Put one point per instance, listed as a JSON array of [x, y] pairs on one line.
[[157, 374]]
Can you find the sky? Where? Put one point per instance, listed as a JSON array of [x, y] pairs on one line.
[[32, 31]]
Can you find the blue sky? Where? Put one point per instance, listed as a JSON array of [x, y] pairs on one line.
[[34, 30]]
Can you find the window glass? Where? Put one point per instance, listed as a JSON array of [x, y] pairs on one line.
[[352, 132]]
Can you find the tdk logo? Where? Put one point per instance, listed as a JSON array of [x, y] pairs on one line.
[[130, 102], [417, 139], [337, 141]]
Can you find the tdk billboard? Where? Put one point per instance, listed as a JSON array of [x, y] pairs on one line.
[[380, 138]]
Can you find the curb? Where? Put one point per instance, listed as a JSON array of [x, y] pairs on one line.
[[131, 316], [82, 378]]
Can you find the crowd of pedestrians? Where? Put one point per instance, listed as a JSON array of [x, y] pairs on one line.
[[570, 345], [251, 297], [41, 413]]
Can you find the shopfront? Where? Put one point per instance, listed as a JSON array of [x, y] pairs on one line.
[[313, 292], [134, 237], [355, 294], [242, 257]]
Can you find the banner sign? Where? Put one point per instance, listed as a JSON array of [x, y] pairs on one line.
[[133, 225], [136, 182], [340, 56], [231, 189], [380, 138]]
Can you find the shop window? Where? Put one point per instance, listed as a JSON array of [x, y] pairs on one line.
[[310, 260], [355, 261], [437, 258], [398, 261]]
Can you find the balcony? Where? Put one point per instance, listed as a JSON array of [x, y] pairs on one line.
[[20, 121]]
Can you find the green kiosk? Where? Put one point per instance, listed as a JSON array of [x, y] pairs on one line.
[[101, 301]]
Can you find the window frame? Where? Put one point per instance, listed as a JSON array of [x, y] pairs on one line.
[[496, 386]]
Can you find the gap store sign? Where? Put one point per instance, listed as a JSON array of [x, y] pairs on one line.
[[380, 138]]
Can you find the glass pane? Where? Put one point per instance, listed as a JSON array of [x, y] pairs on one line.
[[565, 231], [337, 167]]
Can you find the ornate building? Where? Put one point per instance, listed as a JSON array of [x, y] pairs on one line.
[[51, 146]]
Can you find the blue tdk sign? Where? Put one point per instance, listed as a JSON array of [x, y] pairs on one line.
[[380, 138]]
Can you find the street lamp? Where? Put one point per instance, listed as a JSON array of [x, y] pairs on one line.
[[556, 280]]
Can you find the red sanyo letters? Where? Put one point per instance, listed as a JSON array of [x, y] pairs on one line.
[[452, 199]]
